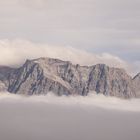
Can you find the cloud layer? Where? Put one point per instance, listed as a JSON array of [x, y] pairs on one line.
[[91, 101], [76, 118], [15, 52]]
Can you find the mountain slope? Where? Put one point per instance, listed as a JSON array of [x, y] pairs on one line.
[[136, 84], [43, 75]]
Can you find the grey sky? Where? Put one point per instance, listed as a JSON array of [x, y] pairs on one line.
[[95, 25]]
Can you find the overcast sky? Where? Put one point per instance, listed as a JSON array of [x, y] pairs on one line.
[[111, 26]]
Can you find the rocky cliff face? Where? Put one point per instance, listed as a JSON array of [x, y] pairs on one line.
[[44, 75], [136, 84]]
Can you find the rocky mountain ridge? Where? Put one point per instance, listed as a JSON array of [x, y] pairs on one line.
[[43, 75]]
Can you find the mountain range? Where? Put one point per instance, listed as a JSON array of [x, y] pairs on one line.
[[44, 75]]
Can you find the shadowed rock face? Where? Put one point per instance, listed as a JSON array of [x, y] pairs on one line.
[[40, 76], [4, 76]]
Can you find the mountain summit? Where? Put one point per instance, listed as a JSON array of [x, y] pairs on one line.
[[43, 75]]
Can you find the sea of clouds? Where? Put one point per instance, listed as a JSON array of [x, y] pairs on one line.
[[92, 100], [68, 118]]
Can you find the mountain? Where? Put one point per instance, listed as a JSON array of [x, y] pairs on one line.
[[136, 82], [43, 75], [4, 74]]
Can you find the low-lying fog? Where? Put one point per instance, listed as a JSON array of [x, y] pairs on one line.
[[68, 118]]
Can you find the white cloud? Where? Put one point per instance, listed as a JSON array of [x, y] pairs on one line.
[[92, 100], [15, 52]]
